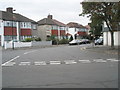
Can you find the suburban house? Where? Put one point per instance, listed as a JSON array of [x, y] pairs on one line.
[[48, 27], [14, 26], [77, 31], [107, 36], [88, 29]]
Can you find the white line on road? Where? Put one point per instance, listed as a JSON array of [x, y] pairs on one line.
[[85, 61], [24, 63], [9, 64], [30, 52], [70, 62], [113, 60], [40, 63], [99, 60], [10, 60], [55, 62], [83, 48]]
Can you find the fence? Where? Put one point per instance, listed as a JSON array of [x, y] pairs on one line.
[[26, 44]]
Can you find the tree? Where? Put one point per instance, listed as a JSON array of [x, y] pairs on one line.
[[108, 12]]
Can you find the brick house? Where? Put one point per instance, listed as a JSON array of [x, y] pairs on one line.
[[50, 27], [14, 26], [77, 31]]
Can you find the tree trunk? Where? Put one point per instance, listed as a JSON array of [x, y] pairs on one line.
[[112, 40]]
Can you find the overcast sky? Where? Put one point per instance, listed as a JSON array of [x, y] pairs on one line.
[[62, 10]]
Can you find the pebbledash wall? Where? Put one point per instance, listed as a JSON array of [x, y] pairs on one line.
[[107, 38]]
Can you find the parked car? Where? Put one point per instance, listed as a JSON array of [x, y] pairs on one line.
[[78, 42], [84, 41], [74, 42], [99, 41]]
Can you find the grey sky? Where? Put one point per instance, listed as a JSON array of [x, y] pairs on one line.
[[62, 10]]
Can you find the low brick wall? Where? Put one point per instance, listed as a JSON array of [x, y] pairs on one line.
[[42, 43], [27, 44]]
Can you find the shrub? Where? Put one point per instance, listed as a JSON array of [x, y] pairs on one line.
[[63, 41], [28, 39], [55, 41], [38, 39]]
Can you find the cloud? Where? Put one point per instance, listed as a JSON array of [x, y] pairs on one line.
[[63, 10]]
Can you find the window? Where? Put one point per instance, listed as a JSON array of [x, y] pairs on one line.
[[9, 38], [10, 23], [62, 28], [25, 25], [55, 27], [34, 26]]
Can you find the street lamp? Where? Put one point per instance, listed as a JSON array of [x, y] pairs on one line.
[[13, 30]]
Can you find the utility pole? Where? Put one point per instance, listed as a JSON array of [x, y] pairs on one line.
[[13, 30]]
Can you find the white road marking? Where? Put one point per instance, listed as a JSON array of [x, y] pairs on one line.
[[99, 60], [10, 60], [113, 60], [70, 62], [30, 52], [9, 64], [40, 63], [83, 48], [24, 63], [84, 61], [55, 62]]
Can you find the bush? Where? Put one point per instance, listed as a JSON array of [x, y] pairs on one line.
[[48, 39], [55, 41], [64, 41], [28, 40], [38, 39]]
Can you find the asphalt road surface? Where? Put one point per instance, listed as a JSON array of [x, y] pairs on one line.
[[59, 67]]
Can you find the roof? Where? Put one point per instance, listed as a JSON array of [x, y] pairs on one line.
[[58, 23], [48, 21], [87, 26], [76, 25], [16, 17]]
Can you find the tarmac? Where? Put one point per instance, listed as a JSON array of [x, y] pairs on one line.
[[97, 48]]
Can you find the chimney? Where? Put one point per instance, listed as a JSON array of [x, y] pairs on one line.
[[9, 9], [50, 16]]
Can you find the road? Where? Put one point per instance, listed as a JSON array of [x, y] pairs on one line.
[[59, 67]]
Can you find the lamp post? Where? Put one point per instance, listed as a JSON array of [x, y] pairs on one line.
[[13, 30]]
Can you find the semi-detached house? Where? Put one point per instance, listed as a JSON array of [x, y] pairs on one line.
[[48, 27], [77, 31], [14, 26]]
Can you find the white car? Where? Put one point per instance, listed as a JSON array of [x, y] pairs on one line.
[[74, 42], [99, 41]]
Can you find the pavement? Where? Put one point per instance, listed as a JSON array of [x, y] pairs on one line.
[[104, 49]]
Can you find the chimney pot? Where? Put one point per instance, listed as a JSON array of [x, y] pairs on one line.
[[50, 16], [9, 9]]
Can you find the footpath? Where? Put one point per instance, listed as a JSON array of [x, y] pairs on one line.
[[33, 47], [105, 49]]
